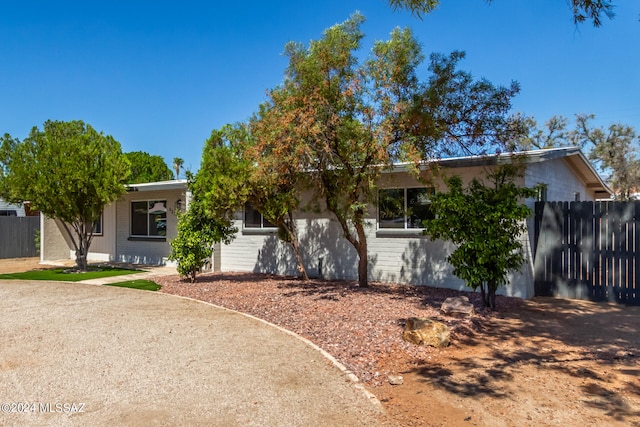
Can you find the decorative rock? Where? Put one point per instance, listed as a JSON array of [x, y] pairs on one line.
[[457, 306], [426, 332], [396, 380]]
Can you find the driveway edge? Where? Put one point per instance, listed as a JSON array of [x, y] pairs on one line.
[[353, 378]]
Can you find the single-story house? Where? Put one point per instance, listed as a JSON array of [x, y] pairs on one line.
[[398, 252], [135, 229]]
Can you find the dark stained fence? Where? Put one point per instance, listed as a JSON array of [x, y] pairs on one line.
[[588, 250], [18, 236]]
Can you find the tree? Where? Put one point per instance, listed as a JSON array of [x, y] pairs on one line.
[[240, 166], [616, 149], [222, 182], [197, 233], [583, 10], [486, 223], [276, 177], [177, 165], [147, 168], [69, 172], [345, 123], [217, 191]]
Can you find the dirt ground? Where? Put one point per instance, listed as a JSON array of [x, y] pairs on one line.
[[553, 362], [17, 265], [546, 362]]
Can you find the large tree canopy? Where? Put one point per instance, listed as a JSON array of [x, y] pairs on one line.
[[582, 10], [147, 168], [69, 172], [339, 123]]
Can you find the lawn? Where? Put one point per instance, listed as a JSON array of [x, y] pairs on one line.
[[145, 285], [66, 275]]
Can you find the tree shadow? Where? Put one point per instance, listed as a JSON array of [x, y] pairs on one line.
[[325, 252], [568, 337]]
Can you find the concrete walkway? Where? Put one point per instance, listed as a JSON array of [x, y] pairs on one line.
[[149, 272], [75, 354]]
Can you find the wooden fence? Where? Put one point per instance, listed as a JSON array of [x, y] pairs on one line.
[[588, 250], [18, 236]]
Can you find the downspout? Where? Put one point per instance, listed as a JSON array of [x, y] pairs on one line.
[[41, 238]]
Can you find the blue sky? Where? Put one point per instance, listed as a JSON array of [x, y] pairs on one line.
[[161, 75]]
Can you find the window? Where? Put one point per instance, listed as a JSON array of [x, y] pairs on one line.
[[254, 219], [541, 195], [8, 212], [404, 208], [97, 226], [149, 218]]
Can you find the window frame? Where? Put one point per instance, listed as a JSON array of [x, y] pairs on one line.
[[149, 203], [264, 225], [98, 226], [406, 215]]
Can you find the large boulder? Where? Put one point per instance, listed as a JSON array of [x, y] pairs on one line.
[[426, 332], [457, 306]]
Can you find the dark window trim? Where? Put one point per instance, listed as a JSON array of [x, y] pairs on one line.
[[404, 230], [142, 237], [262, 229], [147, 239]]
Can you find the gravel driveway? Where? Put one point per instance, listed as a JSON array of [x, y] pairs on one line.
[[78, 354]]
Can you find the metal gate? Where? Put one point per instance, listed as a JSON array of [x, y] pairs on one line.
[[18, 236], [588, 250]]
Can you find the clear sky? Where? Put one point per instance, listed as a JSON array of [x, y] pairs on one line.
[[161, 75]]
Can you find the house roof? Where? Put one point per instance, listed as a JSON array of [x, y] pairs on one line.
[[572, 156], [176, 184]]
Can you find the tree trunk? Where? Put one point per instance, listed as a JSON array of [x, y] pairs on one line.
[[296, 250], [485, 302], [491, 297], [81, 254], [363, 261], [292, 230]]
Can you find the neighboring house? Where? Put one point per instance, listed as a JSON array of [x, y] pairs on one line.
[[9, 209], [135, 229], [398, 252]]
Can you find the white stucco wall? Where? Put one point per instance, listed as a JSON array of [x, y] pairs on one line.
[[562, 182], [150, 250], [103, 246], [403, 256]]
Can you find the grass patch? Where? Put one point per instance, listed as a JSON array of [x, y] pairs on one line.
[[145, 285], [67, 275]]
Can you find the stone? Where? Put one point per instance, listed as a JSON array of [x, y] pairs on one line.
[[457, 306], [396, 380], [421, 331]]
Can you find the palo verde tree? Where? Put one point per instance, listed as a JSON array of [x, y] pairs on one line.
[[345, 122], [69, 172], [486, 223]]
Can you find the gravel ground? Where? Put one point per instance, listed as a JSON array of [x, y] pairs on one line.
[[362, 328]]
